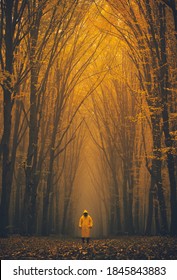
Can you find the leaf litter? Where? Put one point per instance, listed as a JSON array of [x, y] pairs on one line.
[[120, 248]]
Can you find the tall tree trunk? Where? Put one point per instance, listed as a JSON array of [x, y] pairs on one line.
[[150, 206], [125, 199], [156, 172], [117, 204], [18, 201], [45, 226], [137, 198], [112, 218], [29, 212], [64, 218], [130, 205], [156, 214], [165, 115], [57, 216], [7, 95]]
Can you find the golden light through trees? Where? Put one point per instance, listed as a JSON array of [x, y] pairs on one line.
[[88, 116]]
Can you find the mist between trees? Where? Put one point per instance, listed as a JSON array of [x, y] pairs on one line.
[[88, 116]]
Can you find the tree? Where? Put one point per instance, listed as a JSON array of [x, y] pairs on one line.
[[44, 46], [147, 61], [12, 23]]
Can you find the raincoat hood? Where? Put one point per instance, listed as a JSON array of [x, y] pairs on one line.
[[85, 211]]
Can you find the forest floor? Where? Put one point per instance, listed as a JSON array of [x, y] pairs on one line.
[[121, 248]]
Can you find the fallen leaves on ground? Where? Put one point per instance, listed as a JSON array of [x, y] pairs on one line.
[[120, 248]]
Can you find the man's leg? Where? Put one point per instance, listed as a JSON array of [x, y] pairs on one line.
[[88, 239], [83, 240]]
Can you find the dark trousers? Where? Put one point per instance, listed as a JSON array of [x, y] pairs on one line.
[[87, 239]]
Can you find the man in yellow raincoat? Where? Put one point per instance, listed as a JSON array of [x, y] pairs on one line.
[[85, 224]]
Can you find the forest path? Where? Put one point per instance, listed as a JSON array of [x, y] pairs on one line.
[[123, 247]]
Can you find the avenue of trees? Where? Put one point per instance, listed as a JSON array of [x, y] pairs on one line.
[[78, 73]]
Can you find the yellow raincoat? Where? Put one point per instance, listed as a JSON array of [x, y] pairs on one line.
[[85, 223]]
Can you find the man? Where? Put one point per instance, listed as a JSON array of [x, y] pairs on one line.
[[85, 224]]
